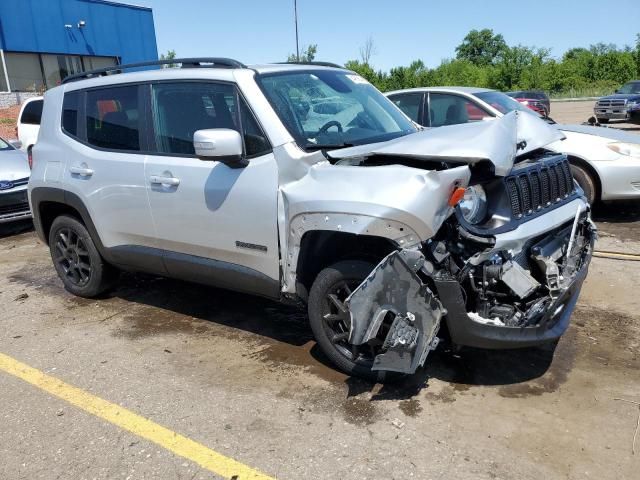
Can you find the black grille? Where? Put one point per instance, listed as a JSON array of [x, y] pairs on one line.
[[539, 186], [17, 208]]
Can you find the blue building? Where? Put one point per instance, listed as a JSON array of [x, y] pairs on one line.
[[43, 41]]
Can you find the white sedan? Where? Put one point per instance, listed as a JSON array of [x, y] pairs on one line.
[[604, 161]]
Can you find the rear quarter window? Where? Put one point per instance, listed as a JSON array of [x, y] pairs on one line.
[[70, 112], [32, 113]]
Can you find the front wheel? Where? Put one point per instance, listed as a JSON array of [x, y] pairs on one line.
[[77, 260], [331, 321], [586, 182]]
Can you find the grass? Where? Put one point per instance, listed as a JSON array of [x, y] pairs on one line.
[[583, 92], [7, 121]]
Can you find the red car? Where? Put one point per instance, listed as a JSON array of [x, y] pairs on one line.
[[536, 101]]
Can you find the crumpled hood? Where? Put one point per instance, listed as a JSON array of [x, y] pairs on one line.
[[494, 141], [605, 132], [13, 165]]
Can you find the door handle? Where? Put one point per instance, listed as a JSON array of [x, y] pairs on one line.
[[162, 180], [82, 171]]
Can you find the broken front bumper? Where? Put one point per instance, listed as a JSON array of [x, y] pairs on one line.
[[395, 307], [554, 317], [468, 332]]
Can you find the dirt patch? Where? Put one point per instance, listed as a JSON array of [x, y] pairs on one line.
[[282, 357], [152, 322], [411, 407], [359, 411], [446, 395]]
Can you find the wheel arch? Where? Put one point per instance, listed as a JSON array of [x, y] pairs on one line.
[[321, 248], [47, 203]]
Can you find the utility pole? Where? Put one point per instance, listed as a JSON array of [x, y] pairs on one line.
[[295, 12]]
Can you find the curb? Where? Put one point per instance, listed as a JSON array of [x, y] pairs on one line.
[[582, 99]]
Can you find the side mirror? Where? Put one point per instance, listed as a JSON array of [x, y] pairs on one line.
[[220, 144]]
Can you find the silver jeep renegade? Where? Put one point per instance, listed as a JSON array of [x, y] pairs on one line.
[[303, 183]]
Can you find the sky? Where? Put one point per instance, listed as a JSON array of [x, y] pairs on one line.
[[261, 31]]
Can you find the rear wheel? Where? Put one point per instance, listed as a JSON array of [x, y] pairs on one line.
[[586, 182], [331, 321], [77, 260]]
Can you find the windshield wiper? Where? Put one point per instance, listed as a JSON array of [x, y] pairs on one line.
[[325, 146]]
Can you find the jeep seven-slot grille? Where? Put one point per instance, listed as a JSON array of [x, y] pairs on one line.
[[538, 187]]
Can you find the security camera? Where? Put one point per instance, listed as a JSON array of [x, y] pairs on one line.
[[82, 24]]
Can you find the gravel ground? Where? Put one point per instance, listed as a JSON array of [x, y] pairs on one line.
[[243, 376], [580, 111]]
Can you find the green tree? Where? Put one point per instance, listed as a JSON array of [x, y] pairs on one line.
[[637, 55], [481, 47], [170, 55], [308, 54]]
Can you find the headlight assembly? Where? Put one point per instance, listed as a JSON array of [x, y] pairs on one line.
[[629, 149], [473, 205]]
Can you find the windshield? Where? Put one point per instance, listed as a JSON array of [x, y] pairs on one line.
[[502, 102], [631, 87], [329, 108]]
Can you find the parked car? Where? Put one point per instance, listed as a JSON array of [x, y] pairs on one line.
[[622, 105], [534, 99], [14, 175], [28, 123], [304, 183], [604, 161]]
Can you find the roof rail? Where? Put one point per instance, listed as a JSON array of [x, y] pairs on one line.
[[317, 64], [206, 62]]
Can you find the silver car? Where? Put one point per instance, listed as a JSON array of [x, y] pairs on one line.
[[14, 176], [604, 161], [303, 183]]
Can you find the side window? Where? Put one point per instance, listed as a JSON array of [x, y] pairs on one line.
[[113, 118], [409, 103], [449, 109], [32, 113], [70, 111], [180, 109]]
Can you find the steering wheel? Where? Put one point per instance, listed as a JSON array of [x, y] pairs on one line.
[[328, 125]]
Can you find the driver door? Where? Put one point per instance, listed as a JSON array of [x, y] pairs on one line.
[[216, 224]]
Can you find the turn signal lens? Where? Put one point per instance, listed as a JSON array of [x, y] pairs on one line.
[[456, 196]]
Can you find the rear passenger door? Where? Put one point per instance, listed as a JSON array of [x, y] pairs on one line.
[[105, 168], [217, 224]]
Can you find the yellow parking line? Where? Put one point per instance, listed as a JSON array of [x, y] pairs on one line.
[[127, 420]]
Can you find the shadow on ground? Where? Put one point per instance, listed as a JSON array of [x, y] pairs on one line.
[[14, 228], [620, 219], [289, 340]]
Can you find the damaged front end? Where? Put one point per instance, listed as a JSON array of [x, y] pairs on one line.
[[510, 281]]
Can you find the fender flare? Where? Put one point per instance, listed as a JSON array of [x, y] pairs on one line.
[[401, 234], [40, 195]]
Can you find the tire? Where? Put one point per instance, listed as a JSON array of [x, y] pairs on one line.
[[328, 281], [586, 182], [76, 259], [602, 120]]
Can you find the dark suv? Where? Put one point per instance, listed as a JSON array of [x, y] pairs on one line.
[[534, 99], [622, 105]]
